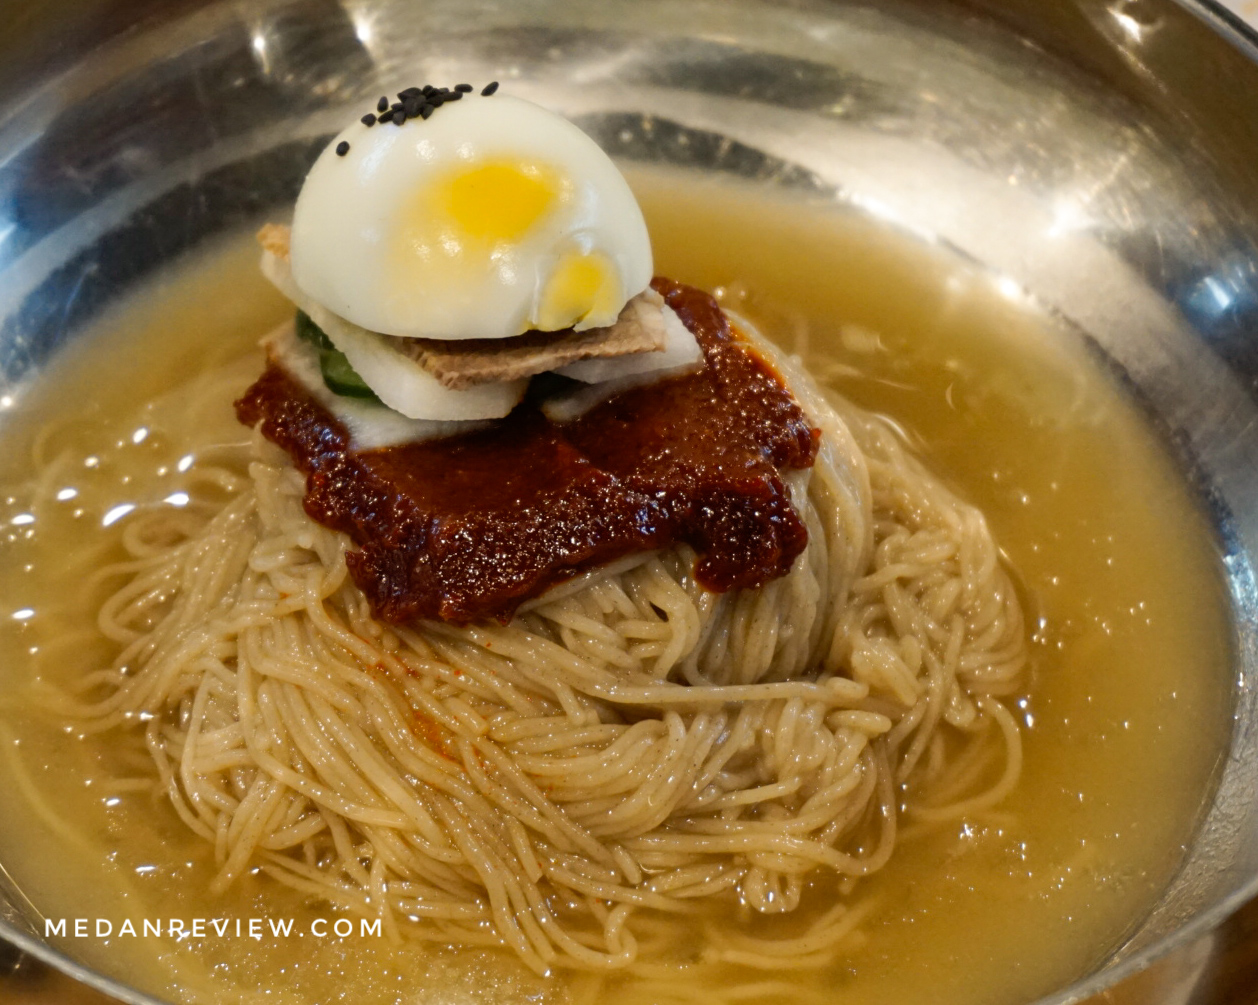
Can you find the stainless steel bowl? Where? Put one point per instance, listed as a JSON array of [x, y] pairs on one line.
[[1102, 154]]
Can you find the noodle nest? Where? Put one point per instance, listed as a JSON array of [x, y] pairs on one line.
[[630, 750]]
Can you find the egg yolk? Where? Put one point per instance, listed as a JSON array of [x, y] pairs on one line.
[[500, 201], [465, 214], [581, 287]]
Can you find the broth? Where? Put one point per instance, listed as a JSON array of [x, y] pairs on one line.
[[1129, 694]]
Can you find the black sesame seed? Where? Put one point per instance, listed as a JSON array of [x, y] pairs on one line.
[[383, 103], [386, 115], [399, 116], [368, 120], [429, 89], [412, 105], [454, 96], [489, 88], [410, 92], [426, 110], [342, 148], [463, 88]]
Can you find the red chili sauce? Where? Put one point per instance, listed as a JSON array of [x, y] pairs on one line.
[[472, 525]]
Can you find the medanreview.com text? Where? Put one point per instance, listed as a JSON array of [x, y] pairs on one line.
[[205, 928]]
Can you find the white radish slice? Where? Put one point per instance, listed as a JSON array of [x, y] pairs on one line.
[[403, 384], [279, 272], [563, 408], [370, 425], [398, 381], [680, 350]]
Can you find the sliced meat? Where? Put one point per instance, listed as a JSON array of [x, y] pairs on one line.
[[640, 329]]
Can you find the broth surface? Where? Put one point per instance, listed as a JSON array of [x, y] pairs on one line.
[[1129, 694]]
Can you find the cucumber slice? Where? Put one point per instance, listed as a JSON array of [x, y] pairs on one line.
[[338, 375], [342, 378], [310, 332]]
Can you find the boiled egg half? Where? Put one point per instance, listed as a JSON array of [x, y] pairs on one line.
[[491, 218]]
